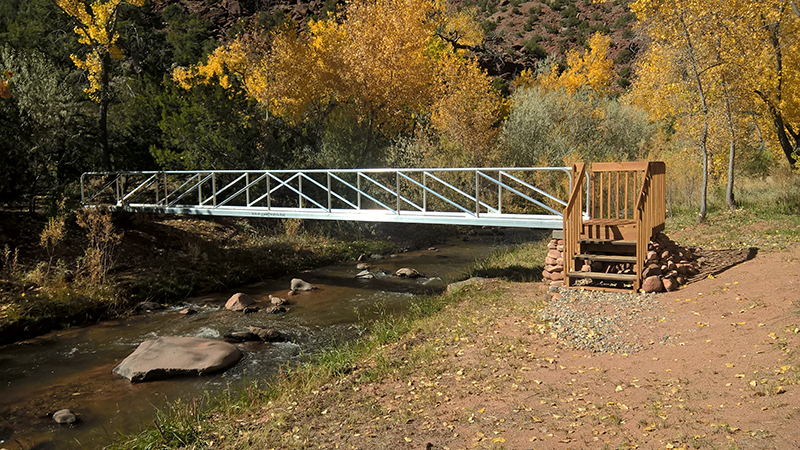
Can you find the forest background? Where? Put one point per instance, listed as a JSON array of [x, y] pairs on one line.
[[263, 84]]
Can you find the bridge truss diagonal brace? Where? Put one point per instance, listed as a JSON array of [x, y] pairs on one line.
[[433, 195]]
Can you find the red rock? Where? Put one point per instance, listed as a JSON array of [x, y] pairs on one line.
[[170, 356], [550, 261], [670, 284], [557, 276], [651, 270], [652, 284], [546, 275], [552, 245], [554, 268], [555, 254], [239, 301]]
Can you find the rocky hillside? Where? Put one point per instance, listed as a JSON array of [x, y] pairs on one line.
[[519, 33]]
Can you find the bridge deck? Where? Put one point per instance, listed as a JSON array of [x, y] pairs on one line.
[[509, 197]]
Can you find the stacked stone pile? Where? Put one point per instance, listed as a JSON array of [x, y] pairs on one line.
[[668, 265], [554, 261]]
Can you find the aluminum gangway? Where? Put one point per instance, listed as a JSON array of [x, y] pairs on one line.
[[530, 197]]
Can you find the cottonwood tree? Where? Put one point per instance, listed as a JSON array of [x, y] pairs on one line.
[[765, 35], [685, 73], [592, 70], [756, 41], [96, 27], [378, 66]]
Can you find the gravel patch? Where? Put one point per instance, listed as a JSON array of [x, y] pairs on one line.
[[606, 322]]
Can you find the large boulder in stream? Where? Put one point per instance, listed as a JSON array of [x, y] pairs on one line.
[[239, 302], [299, 285], [171, 356]]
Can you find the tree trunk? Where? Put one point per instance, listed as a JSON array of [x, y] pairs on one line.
[[701, 216], [729, 199], [105, 152], [784, 131]]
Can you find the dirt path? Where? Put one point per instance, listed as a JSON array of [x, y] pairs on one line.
[[726, 378]]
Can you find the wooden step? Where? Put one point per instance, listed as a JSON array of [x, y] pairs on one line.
[[607, 258], [606, 241], [629, 277], [610, 222]]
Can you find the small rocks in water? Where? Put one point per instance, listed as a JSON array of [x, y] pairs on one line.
[[268, 334], [277, 301], [365, 275], [251, 310], [276, 310], [239, 302], [149, 306], [241, 336], [299, 285], [362, 266], [408, 272], [65, 417], [187, 312], [433, 249], [375, 256]]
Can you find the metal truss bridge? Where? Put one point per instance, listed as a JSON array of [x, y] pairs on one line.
[[531, 197]]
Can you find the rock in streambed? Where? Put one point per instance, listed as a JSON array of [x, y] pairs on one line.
[[172, 356]]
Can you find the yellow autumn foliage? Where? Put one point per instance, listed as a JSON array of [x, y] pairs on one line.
[[96, 28], [4, 92], [593, 70], [389, 62], [743, 51]]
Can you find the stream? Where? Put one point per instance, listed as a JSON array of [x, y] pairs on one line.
[[72, 368]]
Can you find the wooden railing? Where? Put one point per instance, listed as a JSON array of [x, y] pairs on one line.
[[623, 194], [573, 218], [650, 211]]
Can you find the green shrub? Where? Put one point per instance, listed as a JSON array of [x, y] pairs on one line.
[[548, 128], [623, 21], [624, 57], [534, 50], [489, 26]]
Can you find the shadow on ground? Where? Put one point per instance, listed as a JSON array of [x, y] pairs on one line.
[[515, 273], [714, 262]]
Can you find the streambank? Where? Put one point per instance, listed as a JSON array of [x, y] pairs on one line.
[[72, 369], [166, 259]]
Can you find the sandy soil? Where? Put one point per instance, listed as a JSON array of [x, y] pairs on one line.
[[727, 378]]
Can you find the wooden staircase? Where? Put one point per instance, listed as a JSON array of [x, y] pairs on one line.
[[605, 242]]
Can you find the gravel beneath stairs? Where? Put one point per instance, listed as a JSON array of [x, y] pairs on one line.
[[606, 322]]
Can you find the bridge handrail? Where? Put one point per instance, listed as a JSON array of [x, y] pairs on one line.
[[316, 190]]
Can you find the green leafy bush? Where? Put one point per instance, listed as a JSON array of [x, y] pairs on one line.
[[552, 128]]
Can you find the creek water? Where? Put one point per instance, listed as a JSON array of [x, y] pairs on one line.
[[72, 368]]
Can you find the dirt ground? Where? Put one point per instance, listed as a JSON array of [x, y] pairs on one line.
[[727, 377]]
